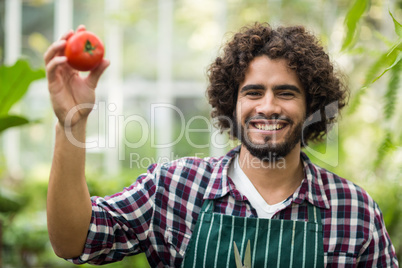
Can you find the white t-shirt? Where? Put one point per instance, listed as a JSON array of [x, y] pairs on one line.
[[244, 185]]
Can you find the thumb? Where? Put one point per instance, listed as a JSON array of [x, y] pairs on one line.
[[96, 73]]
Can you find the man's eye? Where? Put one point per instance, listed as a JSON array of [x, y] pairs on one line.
[[287, 94], [253, 93]]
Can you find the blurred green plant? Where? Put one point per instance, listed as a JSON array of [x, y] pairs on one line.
[[353, 16], [14, 83], [387, 61]]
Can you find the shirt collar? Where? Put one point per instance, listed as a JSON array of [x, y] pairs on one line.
[[311, 189], [219, 185]]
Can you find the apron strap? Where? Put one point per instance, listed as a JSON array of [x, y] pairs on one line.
[[207, 206], [314, 213]]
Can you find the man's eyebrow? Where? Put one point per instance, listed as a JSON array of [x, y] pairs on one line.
[[287, 87], [278, 87], [252, 86]]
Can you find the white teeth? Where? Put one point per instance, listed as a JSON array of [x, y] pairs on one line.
[[269, 126]]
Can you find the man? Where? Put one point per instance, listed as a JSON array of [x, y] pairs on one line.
[[264, 202]]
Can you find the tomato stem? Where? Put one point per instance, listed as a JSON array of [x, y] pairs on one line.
[[89, 47]]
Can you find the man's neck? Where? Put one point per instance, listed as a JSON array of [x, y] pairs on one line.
[[277, 179]]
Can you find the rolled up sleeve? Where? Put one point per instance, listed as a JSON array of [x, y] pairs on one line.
[[119, 223]]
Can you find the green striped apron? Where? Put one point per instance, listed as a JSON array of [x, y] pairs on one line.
[[273, 243]]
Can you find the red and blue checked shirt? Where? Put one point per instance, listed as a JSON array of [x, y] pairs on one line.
[[157, 214]]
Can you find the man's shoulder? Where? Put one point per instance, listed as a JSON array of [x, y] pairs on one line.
[[190, 162], [191, 168], [346, 195], [199, 161], [339, 189]]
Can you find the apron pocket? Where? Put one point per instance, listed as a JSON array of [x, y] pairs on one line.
[[178, 240]]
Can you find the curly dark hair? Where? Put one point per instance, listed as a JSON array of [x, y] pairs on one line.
[[305, 55]]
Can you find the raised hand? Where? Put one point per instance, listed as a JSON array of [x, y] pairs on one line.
[[72, 95]]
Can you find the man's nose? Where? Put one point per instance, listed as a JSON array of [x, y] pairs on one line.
[[268, 105]]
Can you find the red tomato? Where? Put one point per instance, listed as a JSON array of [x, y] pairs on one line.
[[84, 51]]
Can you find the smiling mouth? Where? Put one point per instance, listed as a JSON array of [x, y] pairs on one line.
[[269, 127]]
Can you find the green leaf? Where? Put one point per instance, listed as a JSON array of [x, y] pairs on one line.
[[355, 102], [14, 83], [371, 74], [383, 38], [9, 121], [392, 91], [398, 26], [397, 46], [383, 64], [9, 201], [351, 21], [387, 146], [397, 60]]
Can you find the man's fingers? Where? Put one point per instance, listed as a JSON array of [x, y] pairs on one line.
[[67, 35], [52, 65], [55, 49], [81, 28], [95, 74]]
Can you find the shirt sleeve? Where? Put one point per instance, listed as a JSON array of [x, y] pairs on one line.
[[379, 251], [120, 223]]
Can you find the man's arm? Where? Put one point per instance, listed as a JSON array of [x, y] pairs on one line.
[[68, 202]]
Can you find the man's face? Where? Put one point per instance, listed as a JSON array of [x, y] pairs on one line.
[[270, 109]]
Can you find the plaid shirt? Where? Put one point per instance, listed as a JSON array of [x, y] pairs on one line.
[[157, 214]]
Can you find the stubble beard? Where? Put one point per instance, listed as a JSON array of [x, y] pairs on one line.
[[271, 151]]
